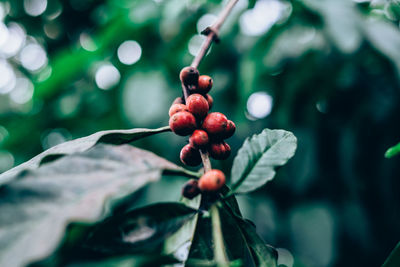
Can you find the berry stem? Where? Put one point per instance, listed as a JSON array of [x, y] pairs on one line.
[[212, 35], [206, 160]]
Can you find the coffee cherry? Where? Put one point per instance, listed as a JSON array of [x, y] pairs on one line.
[[204, 84], [182, 123], [190, 156], [190, 189], [178, 100], [210, 101], [230, 129], [175, 108], [215, 124], [220, 150], [197, 105], [212, 181], [199, 138], [189, 75]]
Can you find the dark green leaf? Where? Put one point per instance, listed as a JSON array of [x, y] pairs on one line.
[[202, 246], [394, 258], [385, 37], [393, 151], [264, 255], [344, 32], [141, 230], [235, 242], [255, 163], [180, 242], [134, 260], [115, 137], [37, 205]]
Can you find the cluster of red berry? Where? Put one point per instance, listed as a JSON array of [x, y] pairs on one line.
[[207, 130]]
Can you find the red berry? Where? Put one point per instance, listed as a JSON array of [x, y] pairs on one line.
[[204, 84], [190, 156], [212, 181], [197, 105], [190, 189], [210, 101], [178, 100], [219, 150], [189, 75], [199, 138], [230, 129], [175, 108], [215, 124], [182, 123]]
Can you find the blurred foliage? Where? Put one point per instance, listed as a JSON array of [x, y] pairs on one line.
[[332, 68]]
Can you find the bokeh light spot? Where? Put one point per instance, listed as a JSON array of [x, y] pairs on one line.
[[3, 134], [3, 33], [107, 76], [35, 8], [129, 52], [6, 160], [285, 258], [205, 21], [87, 42], [22, 92], [195, 44], [55, 137], [7, 77], [259, 20], [15, 39], [259, 105], [33, 57]]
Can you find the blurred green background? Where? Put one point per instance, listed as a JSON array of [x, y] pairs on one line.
[[328, 70]]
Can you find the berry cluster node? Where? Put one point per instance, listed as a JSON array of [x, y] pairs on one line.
[[207, 130]]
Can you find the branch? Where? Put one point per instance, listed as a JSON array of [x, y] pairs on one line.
[[212, 36]]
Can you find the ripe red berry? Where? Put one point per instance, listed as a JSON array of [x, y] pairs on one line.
[[197, 105], [215, 124], [190, 156], [199, 138], [190, 189], [220, 150], [178, 100], [189, 75], [182, 123], [204, 84], [210, 101], [212, 181], [175, 108], [230, 129]]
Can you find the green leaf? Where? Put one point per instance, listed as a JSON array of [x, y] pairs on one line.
[[255, 163], [142, 230], [79, 145], [393, 151], [342, 22], [202, 242], [264, 255], [136, 260], [37, 205], [394, 258], [180, 242], [235, 242], [385, 37]]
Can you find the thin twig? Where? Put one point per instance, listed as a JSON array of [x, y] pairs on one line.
[[212, 36]]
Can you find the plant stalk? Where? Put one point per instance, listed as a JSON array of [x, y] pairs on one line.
[[212, 35]]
